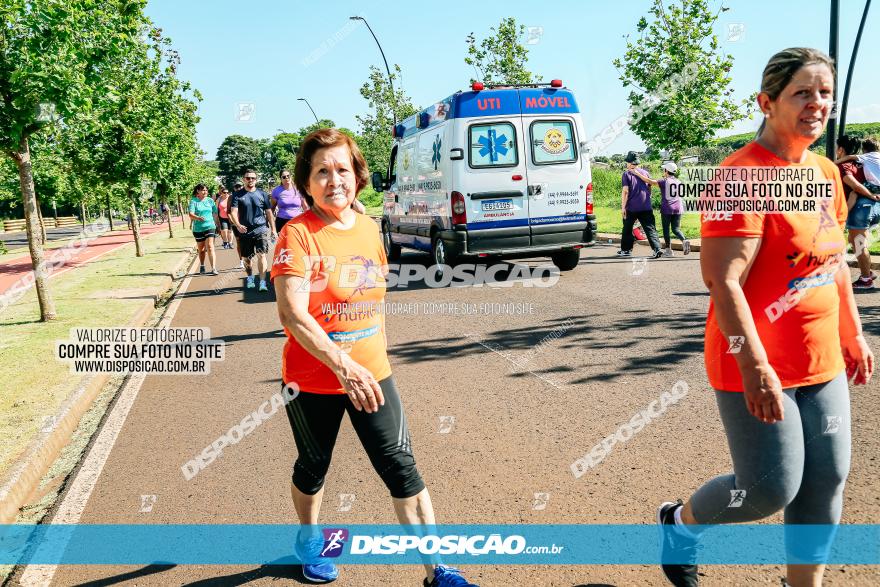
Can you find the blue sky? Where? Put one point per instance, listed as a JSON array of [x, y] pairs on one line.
[[269, 53]]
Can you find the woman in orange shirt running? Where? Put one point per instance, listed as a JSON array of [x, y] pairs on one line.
[[783, 338], [329, 275]]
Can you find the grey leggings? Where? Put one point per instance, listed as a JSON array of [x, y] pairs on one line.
[[673, 220], [799, 464]]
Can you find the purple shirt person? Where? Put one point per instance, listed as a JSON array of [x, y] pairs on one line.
[[287, 202], [671, 207], [639, 193], [635, 206]]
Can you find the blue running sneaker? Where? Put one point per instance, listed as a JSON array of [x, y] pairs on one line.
[[250, 283], [448, 577], [314, 568]]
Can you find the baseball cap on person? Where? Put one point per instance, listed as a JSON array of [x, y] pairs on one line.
[[632, 157], [670, 167]]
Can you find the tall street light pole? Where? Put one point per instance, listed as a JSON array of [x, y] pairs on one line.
[[310, 108], [387, 69], [852, 63], [831, 131]]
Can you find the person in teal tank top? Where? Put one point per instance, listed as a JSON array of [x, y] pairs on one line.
[[203, 213]]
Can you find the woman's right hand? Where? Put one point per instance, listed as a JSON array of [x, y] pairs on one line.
[[361, 387], [763, 393]]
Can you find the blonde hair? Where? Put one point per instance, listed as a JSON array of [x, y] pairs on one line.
[[784, 65]]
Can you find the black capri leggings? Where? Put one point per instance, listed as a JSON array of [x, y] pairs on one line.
[[315, 419]]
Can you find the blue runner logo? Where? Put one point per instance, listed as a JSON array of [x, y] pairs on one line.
[[334, 540]]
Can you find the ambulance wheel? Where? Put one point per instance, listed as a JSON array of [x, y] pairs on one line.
[[442, 253], [566, 260], [392, 249]]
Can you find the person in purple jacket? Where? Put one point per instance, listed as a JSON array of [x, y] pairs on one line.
[[635, 205], [286, 201], [671, 207]]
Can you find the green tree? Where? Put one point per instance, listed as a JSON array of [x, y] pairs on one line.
[[280, 152], [500, 58], [375, 136], [682, 94], [235, 154], [178, 152], [128, 136], [53, 60]]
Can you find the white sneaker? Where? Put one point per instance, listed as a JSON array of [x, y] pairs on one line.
[[667, 252], [241, 264], [686, 245]]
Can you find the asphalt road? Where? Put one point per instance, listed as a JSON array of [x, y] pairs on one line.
[[597, 347]]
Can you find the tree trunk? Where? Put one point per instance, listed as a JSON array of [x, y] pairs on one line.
[[43, 238], [82, 209], [109, 211], [170, 224], [180, 211], [135, 226], [32, 224]]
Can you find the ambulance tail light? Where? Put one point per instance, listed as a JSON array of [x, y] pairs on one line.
[[590, 198], [459, 210], [477, 86], [556, 83]]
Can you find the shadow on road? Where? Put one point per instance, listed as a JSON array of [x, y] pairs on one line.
[[232, 338], [577, 335], [142, 572], [279, 570], [870, 315]]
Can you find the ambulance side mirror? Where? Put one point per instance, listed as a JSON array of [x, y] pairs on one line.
[[378, 181], [456, 154]]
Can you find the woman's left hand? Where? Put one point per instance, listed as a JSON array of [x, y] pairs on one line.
[[858, 358]]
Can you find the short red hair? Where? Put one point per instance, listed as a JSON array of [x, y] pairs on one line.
[[323, 139]]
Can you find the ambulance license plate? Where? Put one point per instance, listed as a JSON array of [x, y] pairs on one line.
[[489, 205]]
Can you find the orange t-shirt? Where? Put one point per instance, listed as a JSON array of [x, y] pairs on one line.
[[790, 287], [347, 290]]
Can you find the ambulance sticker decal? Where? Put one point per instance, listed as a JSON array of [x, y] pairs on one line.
[[435, 157], [492, 145], [554, 142]]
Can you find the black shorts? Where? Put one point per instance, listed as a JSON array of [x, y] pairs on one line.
[[202, 235], [225, 224], [315, 419], [252, 245], [279, 223]]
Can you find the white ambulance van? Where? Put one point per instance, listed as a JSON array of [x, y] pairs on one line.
[[493, 171]]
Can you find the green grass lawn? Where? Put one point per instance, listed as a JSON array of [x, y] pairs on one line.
[[610, 220], [108, 291]]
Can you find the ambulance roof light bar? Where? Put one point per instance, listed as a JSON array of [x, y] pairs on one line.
[[477, 86]]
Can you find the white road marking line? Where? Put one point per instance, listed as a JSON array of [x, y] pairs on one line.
[[71, 509], [505, 355]]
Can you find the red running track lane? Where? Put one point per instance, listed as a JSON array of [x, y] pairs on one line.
[[13, 271]]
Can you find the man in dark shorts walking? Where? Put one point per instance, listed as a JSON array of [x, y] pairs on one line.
[[251, 213]]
